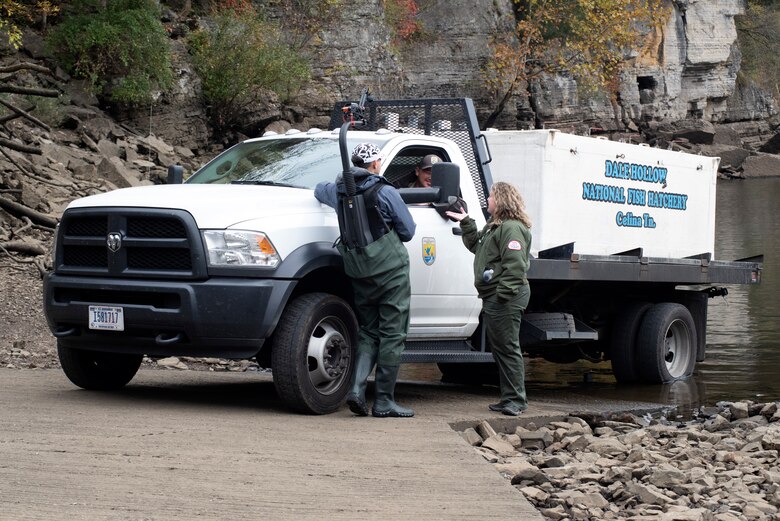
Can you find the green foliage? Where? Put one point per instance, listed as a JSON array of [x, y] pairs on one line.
[[759, 40], [238, 57], [51, 111], [121, 49]]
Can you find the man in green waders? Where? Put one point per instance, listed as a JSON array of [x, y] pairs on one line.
[[379, 273]]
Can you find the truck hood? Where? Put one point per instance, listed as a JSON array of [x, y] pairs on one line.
[[212, 206]]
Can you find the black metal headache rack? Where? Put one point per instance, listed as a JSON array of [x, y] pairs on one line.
[[454, 119]]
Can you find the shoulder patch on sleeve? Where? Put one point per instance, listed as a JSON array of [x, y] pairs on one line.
[[514, 245]]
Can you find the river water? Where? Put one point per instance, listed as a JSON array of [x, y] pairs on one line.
[[743, 332]]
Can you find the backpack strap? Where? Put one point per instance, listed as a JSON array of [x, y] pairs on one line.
[[379, 226]]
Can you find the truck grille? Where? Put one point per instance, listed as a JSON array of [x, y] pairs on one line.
[[130, 243]]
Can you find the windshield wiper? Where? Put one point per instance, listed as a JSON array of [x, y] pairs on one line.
[[264, 183]]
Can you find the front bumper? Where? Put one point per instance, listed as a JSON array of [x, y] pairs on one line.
[[221, 317]]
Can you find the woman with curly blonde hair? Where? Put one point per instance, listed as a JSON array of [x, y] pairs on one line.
[[500, 265]]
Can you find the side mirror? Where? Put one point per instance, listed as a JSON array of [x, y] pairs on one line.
[[446, 176], [175, 174]]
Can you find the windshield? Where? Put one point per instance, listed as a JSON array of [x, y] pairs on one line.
[[297, 162]]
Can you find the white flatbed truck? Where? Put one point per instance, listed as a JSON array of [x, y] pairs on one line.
[[239, 260]]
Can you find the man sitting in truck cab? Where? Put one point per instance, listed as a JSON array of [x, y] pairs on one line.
[[422, 171]]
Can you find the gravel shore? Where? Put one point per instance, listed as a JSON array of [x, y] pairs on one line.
[[720, 466]]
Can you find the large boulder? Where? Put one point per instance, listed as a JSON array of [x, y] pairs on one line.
[[730, 156], [762, 165], [696, 131]]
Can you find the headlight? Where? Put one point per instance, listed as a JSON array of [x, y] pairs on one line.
[[240, 248]]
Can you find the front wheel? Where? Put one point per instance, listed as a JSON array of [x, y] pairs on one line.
[[98, 370], [666, 344], [312, 356]]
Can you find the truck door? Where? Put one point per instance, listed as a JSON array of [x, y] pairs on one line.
[[444, 301]]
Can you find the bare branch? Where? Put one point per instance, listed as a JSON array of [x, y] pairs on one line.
[[19, 147], [25, 65], [32, 91], [13, 161], [26, 115], [19, 210], [28, 224], [28, 248], [11, 117]]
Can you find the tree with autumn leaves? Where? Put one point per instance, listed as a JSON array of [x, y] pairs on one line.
[[15, 12], [588, 39]]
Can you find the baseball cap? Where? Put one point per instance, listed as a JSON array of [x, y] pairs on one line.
[[367, 152], [428, 161]]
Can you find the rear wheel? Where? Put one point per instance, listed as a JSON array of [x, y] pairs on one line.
[[667, 343], [313, 353], [623, 344], [98, 370]]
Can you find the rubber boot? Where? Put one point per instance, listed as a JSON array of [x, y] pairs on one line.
[[356, 398], [384, 404]]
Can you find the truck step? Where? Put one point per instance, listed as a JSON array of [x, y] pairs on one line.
[[425, 357], [452, 351], [555, 328]]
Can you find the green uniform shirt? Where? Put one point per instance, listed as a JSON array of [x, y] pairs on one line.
[[502, 248]]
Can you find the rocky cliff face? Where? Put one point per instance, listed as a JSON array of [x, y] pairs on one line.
[[686, 69]]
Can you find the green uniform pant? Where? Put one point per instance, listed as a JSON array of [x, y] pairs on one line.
[[502, 330], [380, 283], [383, 314]]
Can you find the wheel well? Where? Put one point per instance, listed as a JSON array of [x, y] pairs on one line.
[[325, 280]]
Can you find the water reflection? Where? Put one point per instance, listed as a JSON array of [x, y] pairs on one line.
[[743, 342], [743, 346]]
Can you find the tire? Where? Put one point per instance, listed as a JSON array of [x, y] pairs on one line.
[[312, 358], [98, 370], [667, 344], [623, 344]]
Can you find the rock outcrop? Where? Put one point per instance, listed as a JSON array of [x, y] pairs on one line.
[[686, 69]]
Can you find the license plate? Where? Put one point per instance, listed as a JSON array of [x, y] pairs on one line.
[[110, 318]]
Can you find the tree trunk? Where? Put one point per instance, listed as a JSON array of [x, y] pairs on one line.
[[616, 110], [7, 143], [491, 119], [28, 248], [19, 210]]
